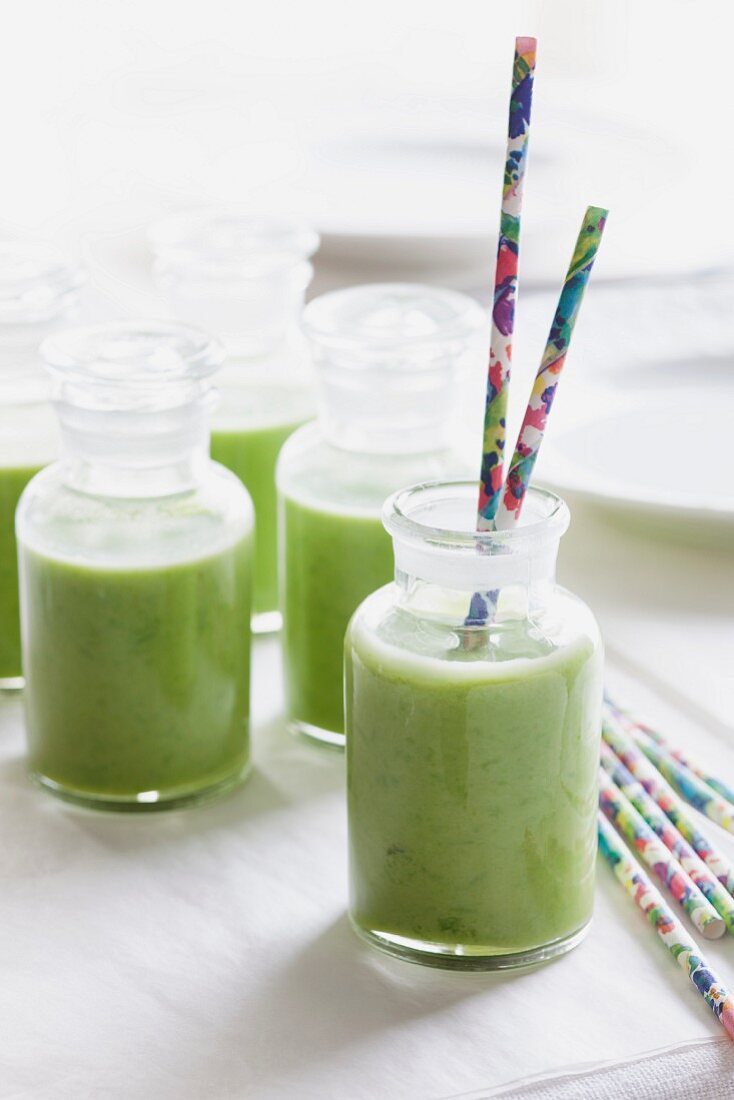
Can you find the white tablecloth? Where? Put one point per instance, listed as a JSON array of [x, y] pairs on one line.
[[207, 954]]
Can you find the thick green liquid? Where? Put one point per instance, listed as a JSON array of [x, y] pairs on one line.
[[251, 454], [12, 483], [137, 680], [472, 794], [332, 562]]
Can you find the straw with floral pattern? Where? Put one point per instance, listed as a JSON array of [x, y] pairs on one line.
[[546, 381], [505, 284], [726, 790], [695, 868], [674, 809], [719, 785], [628, 821], [681, 946], [693, 789]]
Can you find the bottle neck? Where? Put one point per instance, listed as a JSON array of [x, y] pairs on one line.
[[391, 359], [460, 609], [141, 453], [254, 314], [442, 561], [288, 360], [375, 413], [435, 582]]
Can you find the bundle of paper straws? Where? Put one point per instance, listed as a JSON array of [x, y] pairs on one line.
[[643, 783]]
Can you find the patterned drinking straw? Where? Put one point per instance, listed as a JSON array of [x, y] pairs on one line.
[[629, 822], [719, 785], [554, 356], [695, 868], [674, 809], [693, 789], [505, 284], [681, 946]]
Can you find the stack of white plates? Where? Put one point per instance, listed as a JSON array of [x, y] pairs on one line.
[[644, 422]]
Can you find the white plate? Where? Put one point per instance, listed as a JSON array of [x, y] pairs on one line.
[[643, 421], [423, 202], [666, 461]]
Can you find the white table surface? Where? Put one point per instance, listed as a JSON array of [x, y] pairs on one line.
[[207, 954]]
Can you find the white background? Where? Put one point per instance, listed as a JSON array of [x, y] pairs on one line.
[[208, 955], [115, 111]]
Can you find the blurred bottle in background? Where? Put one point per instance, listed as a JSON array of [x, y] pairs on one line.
[[243, 279]]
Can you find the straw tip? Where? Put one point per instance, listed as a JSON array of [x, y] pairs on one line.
[[525, 45], [596, 213], [713, 929]]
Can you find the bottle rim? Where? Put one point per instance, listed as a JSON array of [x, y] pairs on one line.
[[384, 318], [140, 354], [545, 518]]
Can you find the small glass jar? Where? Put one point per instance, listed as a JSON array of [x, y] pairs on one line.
[[472, 750], [244, 279], [391, 360], [39, 290], [135, 578]]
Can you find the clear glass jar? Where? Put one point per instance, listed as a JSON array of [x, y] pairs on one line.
[[244, 279], [135, 578], [390, 360], [472, 751], [39, 290]]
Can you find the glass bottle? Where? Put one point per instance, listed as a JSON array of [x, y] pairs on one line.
[[135, 578], [244, 278], [390, 360], [39, 289], [472, 750]]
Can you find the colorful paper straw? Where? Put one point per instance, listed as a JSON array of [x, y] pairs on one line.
[[693, 789], [554, 356], [628, 821], [681, 946], [719, 785], [694, 867], [674, 809], [505, 284]]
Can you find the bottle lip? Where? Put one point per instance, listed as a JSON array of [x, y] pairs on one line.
[[36, 281], [231, 239], [142, 354], [544, 519], [381, 318]]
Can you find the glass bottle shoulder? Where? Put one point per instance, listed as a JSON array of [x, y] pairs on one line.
[[55, 519], [312, 470], [425, 643]]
